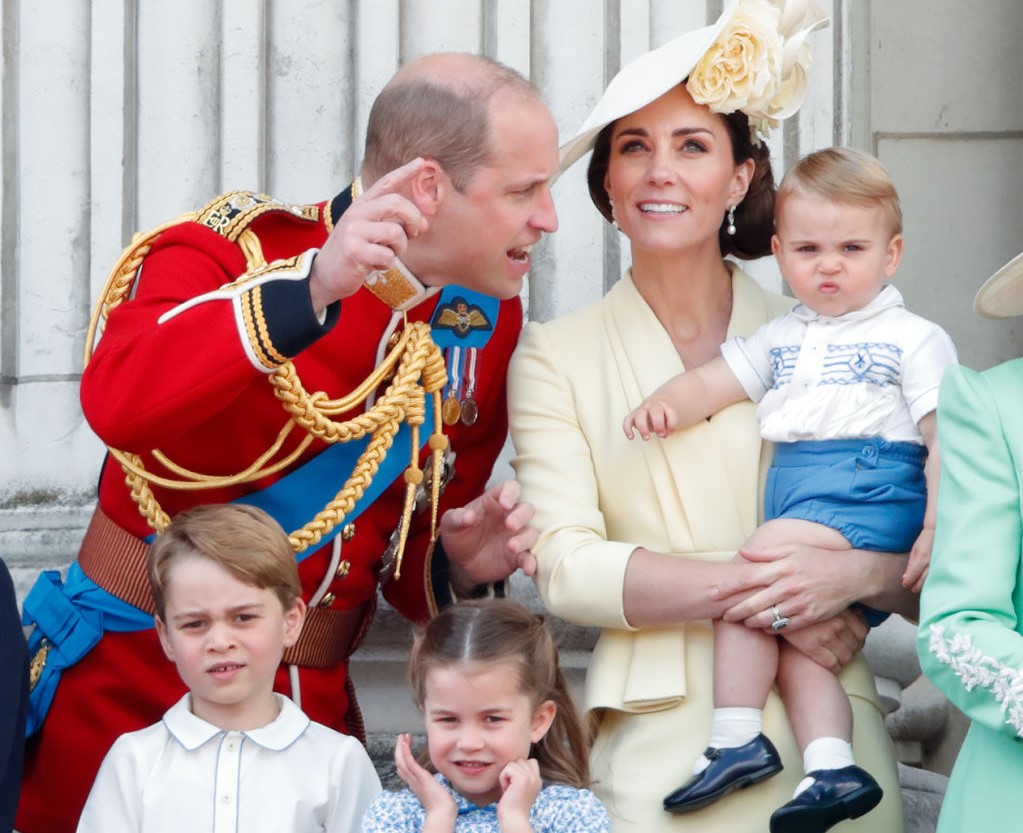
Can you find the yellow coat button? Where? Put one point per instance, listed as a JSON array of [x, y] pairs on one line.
[[348, 532], [342, 569], [327, 600]]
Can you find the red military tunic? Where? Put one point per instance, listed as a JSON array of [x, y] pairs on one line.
[[195, 386]]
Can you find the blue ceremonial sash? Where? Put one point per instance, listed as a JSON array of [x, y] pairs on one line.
[[315, 483], [72, 617]]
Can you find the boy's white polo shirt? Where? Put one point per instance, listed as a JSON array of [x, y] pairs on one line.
[[292, 775]]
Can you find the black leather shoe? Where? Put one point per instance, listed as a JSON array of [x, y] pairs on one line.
[[729, 769], [834, 795]]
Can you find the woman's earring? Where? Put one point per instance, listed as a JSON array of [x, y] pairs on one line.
[[614, 221], [730, 228]]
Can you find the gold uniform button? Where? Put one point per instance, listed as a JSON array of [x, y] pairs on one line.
[[392, 342], [327, 600], [348, 532], [342, 569]]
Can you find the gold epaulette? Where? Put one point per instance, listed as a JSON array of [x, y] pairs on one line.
[[231, 213]]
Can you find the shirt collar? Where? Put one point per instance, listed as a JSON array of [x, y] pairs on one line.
[[463, 804], [887, 298], [192, 731]]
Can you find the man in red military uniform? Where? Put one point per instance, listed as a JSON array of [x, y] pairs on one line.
[[201, 383]]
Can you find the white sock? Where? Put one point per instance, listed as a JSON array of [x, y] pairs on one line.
[[824, 753], [729, 728]]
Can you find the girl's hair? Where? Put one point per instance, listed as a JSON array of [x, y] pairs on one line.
[[501, 631], [754, 216], [844, 175], [242, 539]]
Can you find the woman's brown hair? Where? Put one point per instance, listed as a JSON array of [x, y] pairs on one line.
[[501, 631]]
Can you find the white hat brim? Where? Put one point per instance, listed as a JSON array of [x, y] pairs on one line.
[[1001, 295], [644, 80]]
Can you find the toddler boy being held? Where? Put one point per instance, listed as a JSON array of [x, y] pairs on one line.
[[231, 755], [847, 385]]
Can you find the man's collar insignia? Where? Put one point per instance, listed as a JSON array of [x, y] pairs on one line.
[[460, 317]]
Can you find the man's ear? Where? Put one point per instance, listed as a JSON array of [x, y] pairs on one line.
[[430, 187]]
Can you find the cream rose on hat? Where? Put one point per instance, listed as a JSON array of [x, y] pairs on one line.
[[754, 58], [742, 68], [758, 64]]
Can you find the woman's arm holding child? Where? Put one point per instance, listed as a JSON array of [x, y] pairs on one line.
[[685, 399], [920, 555]]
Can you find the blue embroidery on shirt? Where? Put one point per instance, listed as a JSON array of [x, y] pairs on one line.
[[864, 362], [783, 363], [870, 362]]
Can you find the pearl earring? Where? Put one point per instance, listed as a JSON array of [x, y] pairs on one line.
[[730, 228], [614, 221]]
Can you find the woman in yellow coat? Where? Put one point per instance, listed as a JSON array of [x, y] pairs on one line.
[[636, 537]]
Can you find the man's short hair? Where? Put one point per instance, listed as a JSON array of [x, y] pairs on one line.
[[424, 114], [244, 540]]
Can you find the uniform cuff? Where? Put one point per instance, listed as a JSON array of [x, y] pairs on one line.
[[275, 314]]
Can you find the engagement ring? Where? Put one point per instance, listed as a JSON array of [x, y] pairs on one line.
[[779, 620]]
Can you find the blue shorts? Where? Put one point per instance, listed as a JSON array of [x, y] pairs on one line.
[[872, 491]]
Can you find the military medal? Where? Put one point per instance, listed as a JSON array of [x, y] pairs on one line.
[[470, 413], [462, 323], [451, 409]]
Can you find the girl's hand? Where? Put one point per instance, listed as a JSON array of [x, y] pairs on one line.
[[521, 783], [440, 807]]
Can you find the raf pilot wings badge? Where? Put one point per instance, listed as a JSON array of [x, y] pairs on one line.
[[460, 317]]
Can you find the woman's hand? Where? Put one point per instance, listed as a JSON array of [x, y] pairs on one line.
[[832, 643], [809, 584], [521, 783], [440, 807]]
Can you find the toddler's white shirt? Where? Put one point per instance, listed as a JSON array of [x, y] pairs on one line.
[[873, 372]]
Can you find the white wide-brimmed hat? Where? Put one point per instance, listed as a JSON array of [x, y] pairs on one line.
[[1001, 295], [753, 58]]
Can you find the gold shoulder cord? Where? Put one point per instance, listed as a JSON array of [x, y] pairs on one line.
[[415, 361]]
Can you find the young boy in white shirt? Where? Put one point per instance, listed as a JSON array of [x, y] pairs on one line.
[[231, 755]]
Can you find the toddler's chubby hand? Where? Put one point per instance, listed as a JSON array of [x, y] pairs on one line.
[[652, 418], [919, 561]]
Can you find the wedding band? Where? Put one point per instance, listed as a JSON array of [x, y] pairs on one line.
[[779, 620]]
